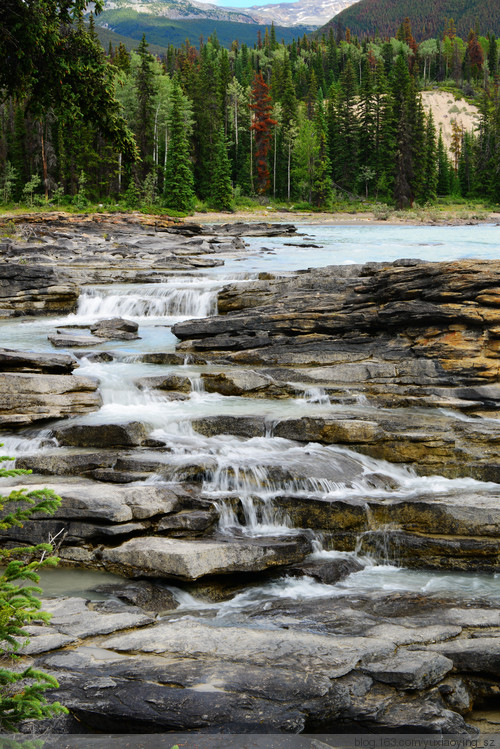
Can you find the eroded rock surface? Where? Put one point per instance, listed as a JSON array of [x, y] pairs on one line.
[[377, 663]]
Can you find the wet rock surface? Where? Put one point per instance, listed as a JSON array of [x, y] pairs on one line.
[[234, 614], [42, 276]]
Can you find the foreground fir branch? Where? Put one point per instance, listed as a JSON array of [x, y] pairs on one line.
[[22, 691]]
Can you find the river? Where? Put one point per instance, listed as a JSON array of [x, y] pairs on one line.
[[241, 474]]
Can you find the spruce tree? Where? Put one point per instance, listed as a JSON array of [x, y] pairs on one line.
[[322, 189], [431, 167], [385, 135], [466, 165], [345, 158], [403, 193], [493, 56], [444, 168], [178, 191], [145, 92], [222, 191], [367, 121]]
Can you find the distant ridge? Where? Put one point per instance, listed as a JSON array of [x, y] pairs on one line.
[[428, 17], [162, 31]]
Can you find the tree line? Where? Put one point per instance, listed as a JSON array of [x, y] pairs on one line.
[[311, 121]]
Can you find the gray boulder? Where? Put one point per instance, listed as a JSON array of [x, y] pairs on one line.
[[28, 398], [115, 328], [130, 434], [190, 560]]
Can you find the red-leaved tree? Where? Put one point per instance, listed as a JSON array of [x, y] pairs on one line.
[[261, 125]]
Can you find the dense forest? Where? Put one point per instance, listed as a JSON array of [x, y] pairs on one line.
[[311, 122], [428, 17]]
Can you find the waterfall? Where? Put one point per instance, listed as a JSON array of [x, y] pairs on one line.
[[179, 298]]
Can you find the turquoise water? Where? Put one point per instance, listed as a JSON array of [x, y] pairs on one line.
[[343, 245]]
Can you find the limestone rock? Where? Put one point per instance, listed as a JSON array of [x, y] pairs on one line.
[[187, 560], [141, 593], [115, 328], [410, 670], [66, 340], [27, 398], [130, 434], [479, 655], [166, 382], [246, 383], [27, 361], [35, 289]]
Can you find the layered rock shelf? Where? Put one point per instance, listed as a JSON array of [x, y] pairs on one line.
[[324, 431]]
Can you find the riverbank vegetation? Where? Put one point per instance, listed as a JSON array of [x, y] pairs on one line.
[[325, 123]]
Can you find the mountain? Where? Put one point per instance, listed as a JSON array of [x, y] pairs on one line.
[[428, 17], [178, 10], [162, 31], [106, 36], [304, 12]]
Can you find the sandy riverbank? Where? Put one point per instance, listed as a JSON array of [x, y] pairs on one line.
[[347, 219], [430, 217]]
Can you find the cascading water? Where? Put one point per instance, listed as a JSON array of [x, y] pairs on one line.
[[244, 478], [179, 298]]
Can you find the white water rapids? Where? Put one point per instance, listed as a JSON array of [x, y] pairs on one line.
[[243, 477]]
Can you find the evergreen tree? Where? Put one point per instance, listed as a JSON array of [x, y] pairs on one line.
[[222, 191], [493, 56], [444, 168], [431, 171], [403, 193], [178, 191], [304, 156], [466, 165], [368, 123], [385, 136], [145, 92], [345, 156], [322, 189]]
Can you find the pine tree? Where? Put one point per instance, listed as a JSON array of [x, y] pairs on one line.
[[145, 92], [178, 191], [444, 168], [403, 193], [493, 56], [385, 135], [367, 121], [345, 157], [431, 167], [466, 165], [222, 191], [322, 189]]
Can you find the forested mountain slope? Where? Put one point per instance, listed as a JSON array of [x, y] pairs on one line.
[[162, 31], [428, 17]]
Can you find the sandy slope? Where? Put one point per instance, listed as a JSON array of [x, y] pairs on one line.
[[445, 109]]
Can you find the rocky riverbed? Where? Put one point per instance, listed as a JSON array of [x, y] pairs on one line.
[[299, 491]]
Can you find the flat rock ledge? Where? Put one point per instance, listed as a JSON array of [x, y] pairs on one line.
[[42, 275], [398, 663], [29, 398], [380, 327]]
